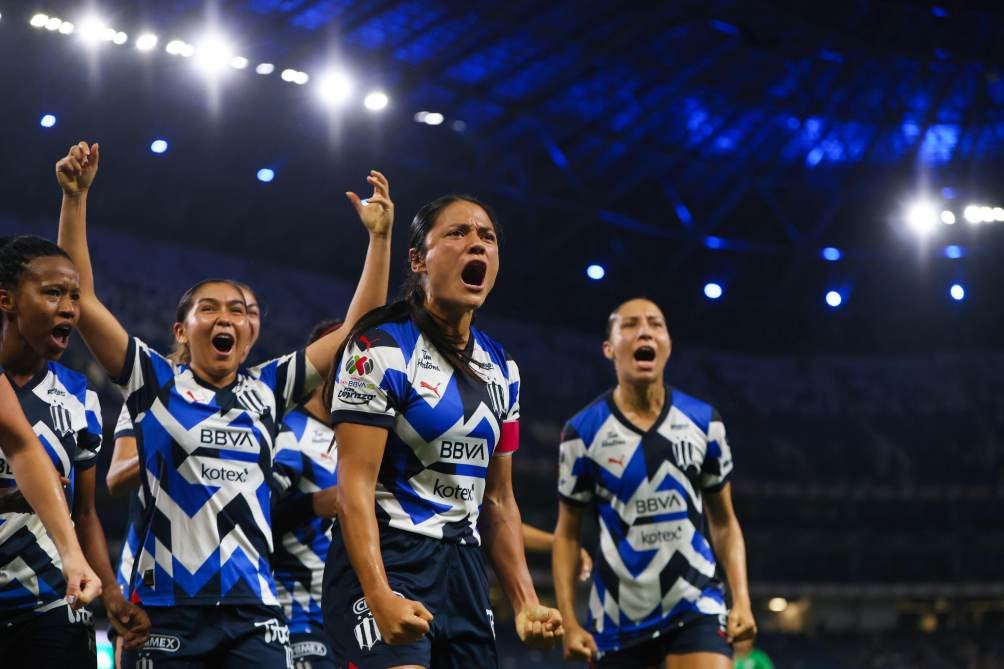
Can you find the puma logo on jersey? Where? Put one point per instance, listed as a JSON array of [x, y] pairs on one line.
[[434, 389]]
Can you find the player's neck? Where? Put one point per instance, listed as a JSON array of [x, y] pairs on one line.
[[640, 399], [19, 360], [218, 380], [455, 321]]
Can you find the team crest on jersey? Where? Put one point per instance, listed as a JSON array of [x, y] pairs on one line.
[[62, 421], [496, 395], [250, 400], [685, 454]]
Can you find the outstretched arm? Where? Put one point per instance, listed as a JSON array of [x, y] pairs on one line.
[[501, 528], [38, 482], [730, 548], [377, 214], [103, 334]]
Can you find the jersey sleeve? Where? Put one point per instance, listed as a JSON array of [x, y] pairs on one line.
[[509, 437], [290, 377], [717, 467], [371, 382], [89, 438], [124, 426], [575, 479], [143, 374]]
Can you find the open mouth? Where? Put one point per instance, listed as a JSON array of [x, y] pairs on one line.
[[61, 333], [223, 343], [644, 354], [474, 273]]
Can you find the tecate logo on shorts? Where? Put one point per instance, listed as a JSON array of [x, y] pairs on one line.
[[163, 642], [309, 649]]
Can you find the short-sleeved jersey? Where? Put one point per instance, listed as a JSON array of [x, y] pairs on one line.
[[131, 541], [66, 417], [443, 426], [654, 565], [304, 465], [206, 457]]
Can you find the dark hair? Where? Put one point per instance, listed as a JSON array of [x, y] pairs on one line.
[[411, 300], [17, 252], [325, 327], [245, 288], [609, 326], [181, 353]]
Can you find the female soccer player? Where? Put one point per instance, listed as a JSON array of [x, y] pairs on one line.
[[650, 458], [38, 299], [426, 411], [206, 436]]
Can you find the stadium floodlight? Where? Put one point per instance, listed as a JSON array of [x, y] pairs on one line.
[[376, 101], [948, 217], [147, 42], [265, 68], [834, 299], [999, 214], [47, 121], [53, 24], [91, 30], [777, 604], [177, 47], [972, 214], [108, 34], [39, 20], [334, 88], [213, 53], [986, 214], [712, 290], [596, 272], [266, 175], [67, 28], [921, 217], [954, 252], [239, 62], [420, 116], [120, 38], [433, 118], [832, 254], [158, 146], [957, 292]]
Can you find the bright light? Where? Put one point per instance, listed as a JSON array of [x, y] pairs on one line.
[[53, 24], [957, 292], [972, 213], [420, 116], [158, 146], [238, 62], [954, 252], [108, 34], [986, 214], [39, 20], [712, 291], [47, 121], [147, 42], [433, 118], [947, 217], [265, 175], [834, 299], [713, 242], [294, 76], [265, 68], [177, 47], [376, 100], [777, 604], [213, 54], [832, 254], [91, 30], [120, 38], [334, 88], [922, 217], [999, 214], [596, 272], [67, 28]]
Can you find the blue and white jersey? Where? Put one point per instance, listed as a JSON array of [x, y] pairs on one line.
[[443, 427], [654, 565], [303, 466], [66, 417], [131, 541], [206, 457]]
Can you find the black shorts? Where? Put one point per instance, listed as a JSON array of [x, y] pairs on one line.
[[448, 579], [312, 651], [54, 639], [228, 637], [705, 634]]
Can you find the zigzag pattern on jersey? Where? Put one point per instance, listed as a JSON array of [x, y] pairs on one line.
[[462, 407], [202, 542], [636, 590]]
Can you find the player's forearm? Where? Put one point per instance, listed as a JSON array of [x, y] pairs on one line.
[[503, 534], [92, 541], [564, 559], [39, 483], [362, 537], [73, 238], [371, 291], [536, 540], [123, 476], [730, 548]]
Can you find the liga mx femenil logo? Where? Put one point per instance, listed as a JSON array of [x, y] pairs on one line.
[[360, 365]]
